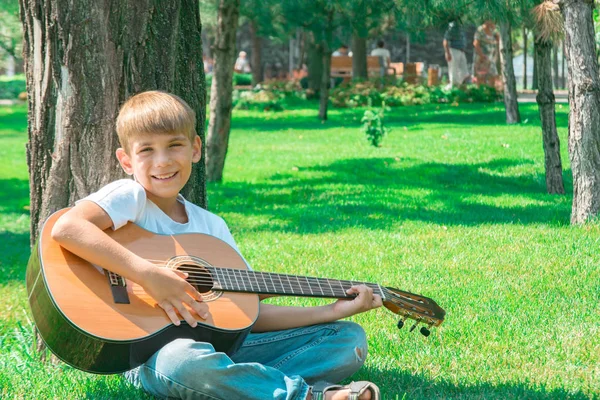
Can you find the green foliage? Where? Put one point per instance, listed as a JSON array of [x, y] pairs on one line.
[[400, 93], [373, 126], [238, 80], [11, 87], [261, 100]]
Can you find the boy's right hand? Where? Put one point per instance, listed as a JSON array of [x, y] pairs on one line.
[[170, 290]]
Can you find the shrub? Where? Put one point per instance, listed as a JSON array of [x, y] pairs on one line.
[[263, 100], [373, 126], [397, 93], [11, 87]]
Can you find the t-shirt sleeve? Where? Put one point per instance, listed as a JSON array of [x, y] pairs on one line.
[[222, 232], [123, 201]]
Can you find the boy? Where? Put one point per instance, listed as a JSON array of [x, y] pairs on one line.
[[288, 346]]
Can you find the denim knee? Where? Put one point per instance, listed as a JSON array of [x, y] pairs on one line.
[[353, 354]]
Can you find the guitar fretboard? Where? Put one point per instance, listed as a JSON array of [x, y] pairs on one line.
[[237, 280]]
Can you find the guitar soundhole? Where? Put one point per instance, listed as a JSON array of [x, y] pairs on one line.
[[199, 277]]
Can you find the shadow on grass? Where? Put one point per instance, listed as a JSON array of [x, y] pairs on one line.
[[380, 193], [489, 114], [396, 383], [15, 251], [14, 195]]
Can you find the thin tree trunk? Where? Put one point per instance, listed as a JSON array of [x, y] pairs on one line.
[[257, 66], [315, 64], [359, 57], [584, 103], [555, 66], [563, 82], [326, 73], [510, 85], [217, 138], [534, 85], [82, 60], [545, 100], [525, 58]]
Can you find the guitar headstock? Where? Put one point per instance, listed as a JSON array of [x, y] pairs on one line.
[[411, 306]]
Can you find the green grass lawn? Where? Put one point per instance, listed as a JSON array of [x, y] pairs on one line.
[[452, 206]]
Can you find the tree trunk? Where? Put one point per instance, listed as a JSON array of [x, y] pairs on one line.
[[217, 138], [359, 57], [315, 64], [563, 81], [82, 60], [510, 84], [525, 58], [584, 103], [534, 80], [326, 74], [325, 78], [257, 67], [555, 66], [545, 100]]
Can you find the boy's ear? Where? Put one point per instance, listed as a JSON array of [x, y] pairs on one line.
[[196, 149], [125, 161]]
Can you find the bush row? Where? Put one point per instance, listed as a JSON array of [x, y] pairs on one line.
[[11, 87]]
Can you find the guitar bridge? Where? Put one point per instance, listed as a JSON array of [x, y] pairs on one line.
[[118, 287]]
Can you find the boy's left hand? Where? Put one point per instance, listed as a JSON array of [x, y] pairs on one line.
[[364, 301]]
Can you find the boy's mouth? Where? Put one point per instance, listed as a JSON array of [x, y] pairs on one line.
[[164, 177]]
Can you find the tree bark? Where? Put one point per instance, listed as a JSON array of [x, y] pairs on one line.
[[584, 103], [525, 57], [534, 80], [545, 100], [510, 84], [315, 64], [82, 60], [257, 66], [326, 73], [359, 57], [217, 139], [555, 66]]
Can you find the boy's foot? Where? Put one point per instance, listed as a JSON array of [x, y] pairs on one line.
[[363, 390]]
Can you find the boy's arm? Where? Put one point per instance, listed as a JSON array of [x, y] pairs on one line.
[[81, 231], [274, 318]]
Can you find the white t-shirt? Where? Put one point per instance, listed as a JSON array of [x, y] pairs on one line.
[[125, 201], [381, 52]]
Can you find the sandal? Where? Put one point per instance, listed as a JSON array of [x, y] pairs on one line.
[[356, 389]]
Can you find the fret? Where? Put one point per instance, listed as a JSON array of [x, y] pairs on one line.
[[217, 280], [228, 275], [242, 278], [273, 283], [290, 283], [265, 289], [281, 283], [343, 290], [320, 288], [309, 286]]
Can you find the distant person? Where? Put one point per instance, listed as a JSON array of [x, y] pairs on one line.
[[241, 64], [486, 44], [343, 50], [382, 52], [455, 44]]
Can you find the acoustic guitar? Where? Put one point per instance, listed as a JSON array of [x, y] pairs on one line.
[[99, 322]]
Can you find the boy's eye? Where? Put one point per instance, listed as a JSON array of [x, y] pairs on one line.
[[145, 149], [175, 144]]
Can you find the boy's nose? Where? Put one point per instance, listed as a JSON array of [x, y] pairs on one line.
[[162, 158]]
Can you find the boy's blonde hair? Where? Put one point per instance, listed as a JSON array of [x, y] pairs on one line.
[[154, 112]]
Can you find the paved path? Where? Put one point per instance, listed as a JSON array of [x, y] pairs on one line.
[[528, 96]]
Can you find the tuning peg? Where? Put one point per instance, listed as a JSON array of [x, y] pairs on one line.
[[412, 328], [424, 331], [400, 324]]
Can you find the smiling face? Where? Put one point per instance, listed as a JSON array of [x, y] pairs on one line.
[[161, 163]]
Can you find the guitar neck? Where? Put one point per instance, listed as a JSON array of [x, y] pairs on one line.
[[237, 280]]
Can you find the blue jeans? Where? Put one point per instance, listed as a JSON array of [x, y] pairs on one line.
[[269, 365]]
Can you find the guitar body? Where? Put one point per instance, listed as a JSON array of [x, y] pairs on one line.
[[105, 328]]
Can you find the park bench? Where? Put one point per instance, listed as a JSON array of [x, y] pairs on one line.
[[341, 66]]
